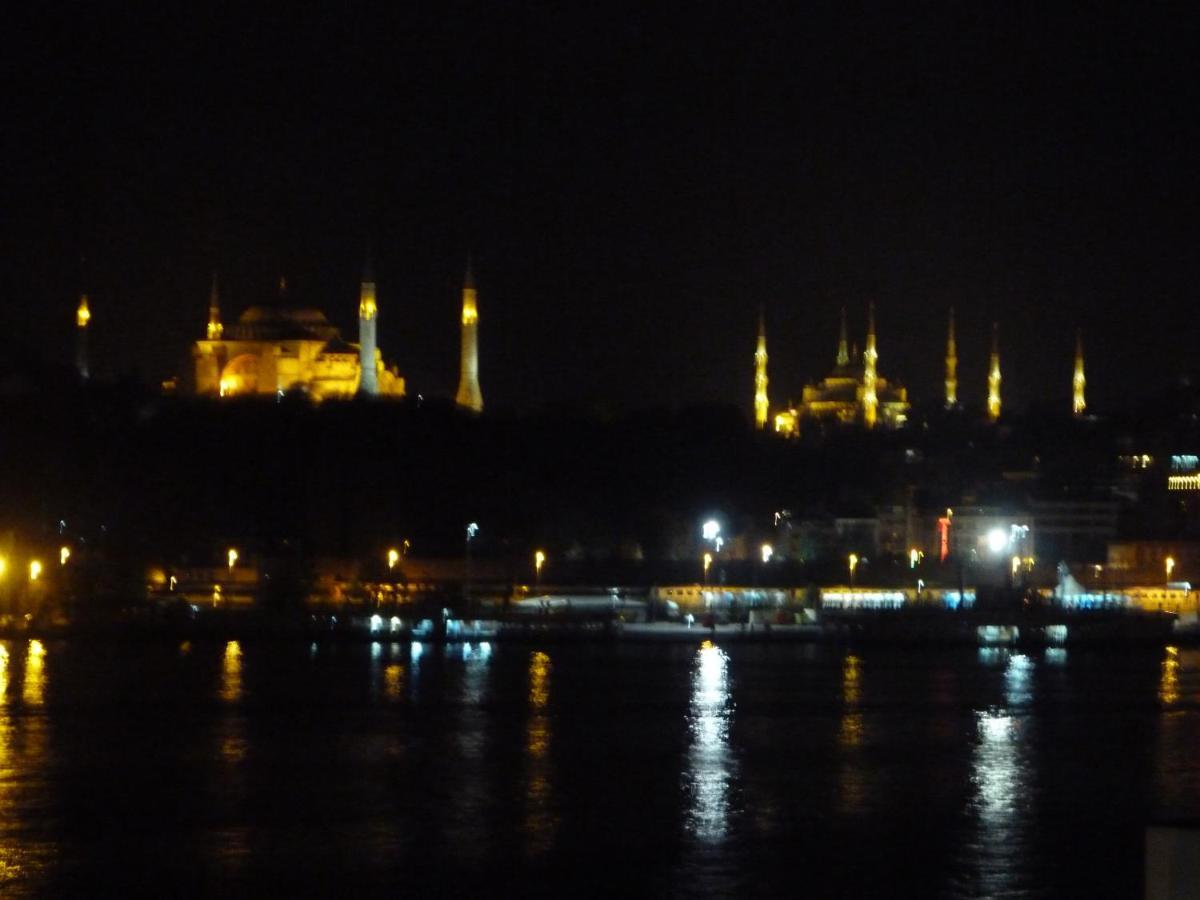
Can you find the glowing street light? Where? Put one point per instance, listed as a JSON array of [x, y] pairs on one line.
[[1016, 565], [3, 566], [852, 560], [64, 553], [393, 557], [539, 560], [35, 570], [707, 565], [711, 530], [1169, 564], [914, 557], [767, 552], [997, 540], [232, 556]]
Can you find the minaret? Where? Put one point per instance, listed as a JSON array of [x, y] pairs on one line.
[[215, 328], [761, 405], [993, 399], [83, 316], [951, 366], [843, 356], [367, 312], [870, 401], [1078, 383], [469, 396]]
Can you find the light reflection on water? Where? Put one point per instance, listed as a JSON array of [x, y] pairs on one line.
[[852, 774], [541, 822], [710, 761], [1168, 683], [468, 827], [33, 692], [1000, 778]]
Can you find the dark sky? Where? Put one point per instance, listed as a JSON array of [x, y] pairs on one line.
[[633, 184]]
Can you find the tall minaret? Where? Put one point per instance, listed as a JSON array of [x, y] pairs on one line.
[[951, 366], [215, 328], [1078, 383], [843, 356], [761, 404], [870, 401], [469, 396], [993, 399], [367, 312], [83, 315]]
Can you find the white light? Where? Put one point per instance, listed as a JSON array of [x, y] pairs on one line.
[[376, 622], [997, 540], [767, 552], [711, 529]]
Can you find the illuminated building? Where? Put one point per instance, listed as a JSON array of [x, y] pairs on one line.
[[951, 366], [993, 398], [367, 311], [761, 404], [83, 316], [1078, 383], [469, 396], [277, 347], [852, 393]]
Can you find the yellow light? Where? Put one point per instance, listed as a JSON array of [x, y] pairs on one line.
[[3, 566], [707, 562], [64, 553], [539, 559], [767, 552], [83, 315], [1170, 565], [35, 570], [393, 557], [216, 594], [1016, 564], [232, 555], [914, 557], [853, 561]]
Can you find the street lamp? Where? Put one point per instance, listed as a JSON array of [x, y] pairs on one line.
[[914, 557], [539, 560], [232, 556], [64, 553], [35, 570], [393, 557], [707, 564], [767, 552], [3, 566], [1169, 564], [852, 560]]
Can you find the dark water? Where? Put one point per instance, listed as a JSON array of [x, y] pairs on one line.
[[571, 770]]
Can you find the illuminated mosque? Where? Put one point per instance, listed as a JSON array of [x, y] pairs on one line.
[[853, 393], [279, 347]]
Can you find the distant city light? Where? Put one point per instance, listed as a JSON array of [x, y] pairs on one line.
[[472, 530], [64, 553], [232, 556], [539, 560], [3, 566], [35, 570], [393, 556], [711, 530], [1170, 566], [767, 552], [852, 561], [914, 557]]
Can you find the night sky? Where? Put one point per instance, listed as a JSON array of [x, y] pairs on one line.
[[632, 184]]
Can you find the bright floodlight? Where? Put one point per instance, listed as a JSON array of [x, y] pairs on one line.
[[997, 540], [711, 529]]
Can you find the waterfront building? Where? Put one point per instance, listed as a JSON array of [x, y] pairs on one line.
[[853, 393], [279, 347], [469, 396]]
